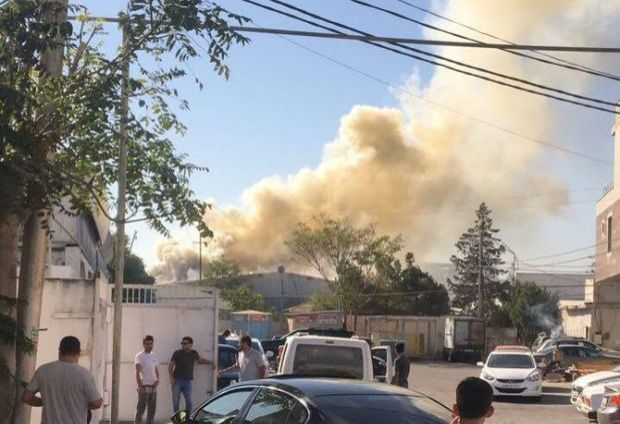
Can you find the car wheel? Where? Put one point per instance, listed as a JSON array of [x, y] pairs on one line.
[[536, 399]]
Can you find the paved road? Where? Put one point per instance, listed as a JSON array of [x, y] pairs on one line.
[[439, 380]]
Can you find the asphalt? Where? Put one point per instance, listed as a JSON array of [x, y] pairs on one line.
[[439, 380]]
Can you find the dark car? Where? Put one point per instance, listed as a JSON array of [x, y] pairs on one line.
[[609, 412], [293, 400], [226, 357]]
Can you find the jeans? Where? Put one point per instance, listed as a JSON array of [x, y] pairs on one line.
[[182, 385], [146, 401]]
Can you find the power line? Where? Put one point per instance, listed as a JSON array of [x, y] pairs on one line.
[[568, 252], [436, 56], [567, 63], [444, 107], [406, 40], [364, 38]]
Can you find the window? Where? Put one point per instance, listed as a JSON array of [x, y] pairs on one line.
[[510, 361], [223, 408], [330, 360], [58, 256], [609, 233], [272, 407]]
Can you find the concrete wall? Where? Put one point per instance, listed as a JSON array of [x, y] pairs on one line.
[[423, 336], [606, 314], [76, 308], [576, 319]]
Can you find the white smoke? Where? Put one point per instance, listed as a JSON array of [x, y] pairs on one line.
[[421, 170]]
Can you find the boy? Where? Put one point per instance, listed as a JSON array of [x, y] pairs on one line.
[[474, 397]]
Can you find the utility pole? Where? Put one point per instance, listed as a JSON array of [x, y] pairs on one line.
[[480, 271], [200, 258], [120, 226], [35, 236]]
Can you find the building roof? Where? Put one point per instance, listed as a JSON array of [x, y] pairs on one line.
[[250, 312], [567, 286]]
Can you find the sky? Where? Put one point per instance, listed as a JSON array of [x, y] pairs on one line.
[[283, 105]]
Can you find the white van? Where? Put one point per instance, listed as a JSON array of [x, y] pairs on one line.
[[318, 356]]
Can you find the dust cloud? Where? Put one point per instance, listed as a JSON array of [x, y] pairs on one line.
[[418, 169]]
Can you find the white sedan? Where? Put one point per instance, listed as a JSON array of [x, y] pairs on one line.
[[512, 371], [593, 379]]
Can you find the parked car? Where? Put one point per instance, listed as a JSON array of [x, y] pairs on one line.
[[274, 345], [609, 411], [316, 401], [549, 344], [512, 371], [590, 399], [327, 357], [226, 357], [596, 378]]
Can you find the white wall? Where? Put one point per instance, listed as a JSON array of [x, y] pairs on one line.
[[72, 308]]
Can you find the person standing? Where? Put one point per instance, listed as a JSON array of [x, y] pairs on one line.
[[181, 370], [221, 339], [251, 365], [147, 378], [67, 390], [401, 367]]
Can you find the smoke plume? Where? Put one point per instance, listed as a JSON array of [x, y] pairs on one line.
[[420, 170]]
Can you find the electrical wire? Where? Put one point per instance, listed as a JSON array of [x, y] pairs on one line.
[[474, 119], [567, 63], [455, 62]]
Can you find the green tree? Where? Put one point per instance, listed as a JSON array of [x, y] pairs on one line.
[[477, 284], [243, 298], [59, 127], [531, 309], [349, 258], [408, 291]]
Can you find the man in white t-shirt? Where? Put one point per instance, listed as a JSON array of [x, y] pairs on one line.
[[147, 377]]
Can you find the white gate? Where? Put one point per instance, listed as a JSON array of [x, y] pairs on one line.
[[168, 313]]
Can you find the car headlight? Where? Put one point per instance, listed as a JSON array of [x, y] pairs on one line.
[[487, 376], [534, 377]]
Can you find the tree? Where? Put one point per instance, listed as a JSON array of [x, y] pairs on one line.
[[531, 309], [477, 284], [408, 291], [349, 258], [134, 271], [243, 298], [59, 121]]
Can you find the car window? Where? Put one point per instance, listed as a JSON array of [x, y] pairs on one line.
[[274, 407], [510, 361], [330, 360], [380, 353], [222, 408], [372, 409], [226, 358]]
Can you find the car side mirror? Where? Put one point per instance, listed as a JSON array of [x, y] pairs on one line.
[[181, 417], [269, 354], [480, 364]]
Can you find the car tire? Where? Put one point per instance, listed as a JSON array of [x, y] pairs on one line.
[[536, 399]]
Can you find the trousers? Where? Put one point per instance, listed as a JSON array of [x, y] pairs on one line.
[[146, 401], [184, 386]]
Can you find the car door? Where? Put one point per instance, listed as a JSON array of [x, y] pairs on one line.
[[385, 353], [274, 406], [224, 409]]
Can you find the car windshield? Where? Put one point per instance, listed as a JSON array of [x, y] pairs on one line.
[[329, 361], [226, 358], [367, 409], [510, 361]]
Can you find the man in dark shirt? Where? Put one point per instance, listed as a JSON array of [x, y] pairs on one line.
[[221, 339], [401, 367], [181, 370]]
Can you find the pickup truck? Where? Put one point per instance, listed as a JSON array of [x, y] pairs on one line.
[[274, 345]]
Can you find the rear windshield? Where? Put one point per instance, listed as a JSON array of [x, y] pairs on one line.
[[226, 358], [510, 361], [380, 353], [329, 360], [367, 409]]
